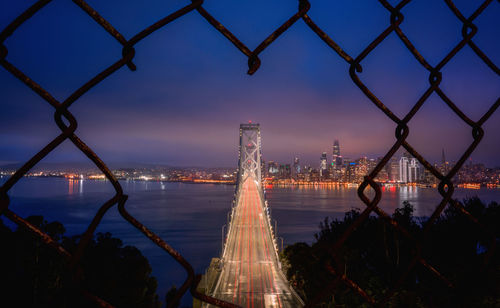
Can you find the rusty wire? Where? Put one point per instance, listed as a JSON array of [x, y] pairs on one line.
[[445, 186]]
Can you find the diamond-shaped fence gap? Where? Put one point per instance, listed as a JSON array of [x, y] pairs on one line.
[[436, 128], [52, 41], [470, 84], [251, 21], [432, 28], [130, 17], [394, 76], [364, 19]]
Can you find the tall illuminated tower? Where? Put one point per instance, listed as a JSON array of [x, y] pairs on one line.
[[336, 158], [323, 164], [249, 153], [296, 165]]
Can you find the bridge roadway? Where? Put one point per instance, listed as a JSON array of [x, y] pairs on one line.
[[250, 276]]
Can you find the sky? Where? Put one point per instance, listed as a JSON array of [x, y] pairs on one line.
[[184, 104]]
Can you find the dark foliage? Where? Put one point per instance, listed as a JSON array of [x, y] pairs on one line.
[[375, 256], [170, 297], [34, 275]]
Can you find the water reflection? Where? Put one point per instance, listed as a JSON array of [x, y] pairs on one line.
[[408, 192], [75, 185]]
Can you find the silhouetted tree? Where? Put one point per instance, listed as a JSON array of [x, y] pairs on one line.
[[34, 275], [376, 254], [170, 297]]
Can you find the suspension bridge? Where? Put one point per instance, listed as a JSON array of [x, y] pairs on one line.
[[249, 271]]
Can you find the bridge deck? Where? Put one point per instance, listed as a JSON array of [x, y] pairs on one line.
[[250, 276]]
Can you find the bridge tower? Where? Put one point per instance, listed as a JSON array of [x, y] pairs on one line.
[[249, 163]]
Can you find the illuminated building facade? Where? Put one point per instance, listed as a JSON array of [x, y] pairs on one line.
[[323, 165]]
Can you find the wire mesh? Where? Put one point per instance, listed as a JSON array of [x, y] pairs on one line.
[[62, 116]]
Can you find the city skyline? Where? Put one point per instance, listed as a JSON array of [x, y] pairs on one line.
[[293, 160], [296, 162]]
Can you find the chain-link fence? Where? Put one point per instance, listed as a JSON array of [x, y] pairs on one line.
[[68, 124]]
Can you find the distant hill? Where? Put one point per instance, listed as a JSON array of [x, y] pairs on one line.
[[63, 166]]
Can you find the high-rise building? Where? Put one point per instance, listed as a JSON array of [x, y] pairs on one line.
[[285, 171], [383, 174], [408, 169], [403, 169], [339, 162], [323, 164], [336, 158], [349, 170], [360, 169], [413, 170], [393, 170], [444, 164], [296, 165]]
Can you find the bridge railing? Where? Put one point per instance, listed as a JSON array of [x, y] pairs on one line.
[[67, 124], [272, 231], [234, 203]]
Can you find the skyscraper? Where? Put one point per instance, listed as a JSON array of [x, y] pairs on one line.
[[323, 164], [413, 170], [285, 171], [403, 169], [349, 172], [444, 163], [296, 165], [393, 170], [409, 169], [336, 158]]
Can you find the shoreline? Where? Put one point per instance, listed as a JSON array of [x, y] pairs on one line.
[[272, 183]]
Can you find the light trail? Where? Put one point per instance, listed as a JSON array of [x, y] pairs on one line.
[[249, 249], [258, 283], [268, 258]]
